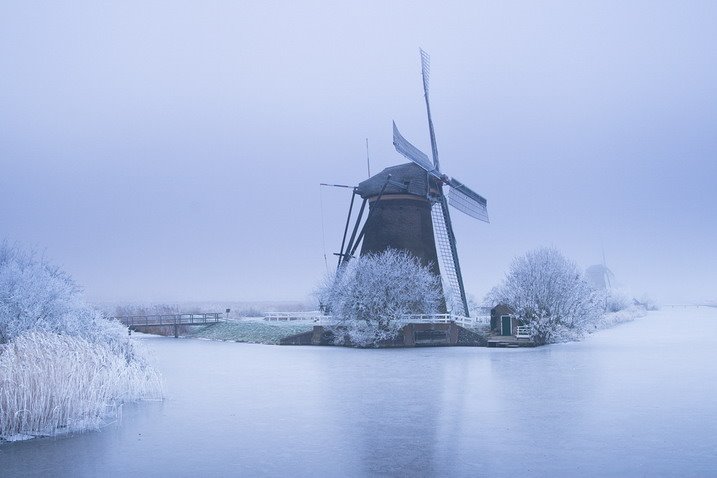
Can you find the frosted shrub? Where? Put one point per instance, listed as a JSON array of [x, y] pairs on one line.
[[548, 292], [616, 300], [370, 296], [648, 303], [36, 295]]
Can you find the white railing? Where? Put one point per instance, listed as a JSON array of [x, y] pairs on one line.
[[308, 316], [428, 318], [317, 318], [523, 332], [446, 318]]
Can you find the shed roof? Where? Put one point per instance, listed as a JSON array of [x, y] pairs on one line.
[[502, 309], [408, 178]]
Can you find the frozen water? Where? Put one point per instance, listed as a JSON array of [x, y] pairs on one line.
[[637, 399]]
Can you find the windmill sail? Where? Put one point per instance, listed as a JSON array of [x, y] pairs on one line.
[[451, 277], [411, 152], [426, 73], [461, 197], [468, 201], [425, 69]]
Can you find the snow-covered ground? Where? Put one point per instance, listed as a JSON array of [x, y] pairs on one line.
[[633, 400]]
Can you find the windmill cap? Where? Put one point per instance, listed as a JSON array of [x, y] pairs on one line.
[[408, 178]]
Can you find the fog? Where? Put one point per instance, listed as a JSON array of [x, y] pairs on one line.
[[173, 151]]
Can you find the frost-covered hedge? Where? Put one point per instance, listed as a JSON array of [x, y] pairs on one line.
[[63, 366]]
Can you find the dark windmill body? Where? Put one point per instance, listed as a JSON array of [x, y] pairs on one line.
[[401, 219], [409, 210]]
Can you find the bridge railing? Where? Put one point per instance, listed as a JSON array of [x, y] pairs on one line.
[[169, 319]]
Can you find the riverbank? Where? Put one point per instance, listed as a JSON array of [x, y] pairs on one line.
[[258, 331], [275, 333]]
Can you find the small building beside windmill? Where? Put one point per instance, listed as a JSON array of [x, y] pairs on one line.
[[507, 329], [504, 321]]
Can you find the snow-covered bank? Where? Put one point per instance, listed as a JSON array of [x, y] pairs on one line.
[[53, 384], [612, 319]]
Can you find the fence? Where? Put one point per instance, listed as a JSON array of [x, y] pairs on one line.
[[312, 316], [523, 332], [317, 318]]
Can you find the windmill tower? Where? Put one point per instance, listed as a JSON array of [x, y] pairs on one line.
[[408, 209]]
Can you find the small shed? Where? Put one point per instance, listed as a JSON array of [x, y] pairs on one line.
[[503, 320]]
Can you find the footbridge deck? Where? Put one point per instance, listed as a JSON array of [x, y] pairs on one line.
[[136, 322]]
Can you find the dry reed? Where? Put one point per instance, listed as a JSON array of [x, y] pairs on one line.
[[51, 383]]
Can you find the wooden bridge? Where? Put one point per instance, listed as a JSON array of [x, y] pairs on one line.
[[136, 322]]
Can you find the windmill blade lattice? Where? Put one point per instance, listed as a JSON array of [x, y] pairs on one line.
[[425, 70], [450, 270], [408, 150], [468, 201]]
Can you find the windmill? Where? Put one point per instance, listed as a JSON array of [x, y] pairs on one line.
[[599, 276], [409, 210]]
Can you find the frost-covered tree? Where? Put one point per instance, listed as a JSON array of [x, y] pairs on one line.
[[549, 292], [37, 295], [369, 296]]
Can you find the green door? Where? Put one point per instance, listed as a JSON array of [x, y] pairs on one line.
[[505, 328]]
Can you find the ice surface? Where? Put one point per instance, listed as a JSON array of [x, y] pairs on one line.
[[637, 399]]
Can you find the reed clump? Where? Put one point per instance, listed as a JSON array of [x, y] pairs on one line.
[[51, 383]]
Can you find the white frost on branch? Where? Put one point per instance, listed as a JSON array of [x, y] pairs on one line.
[[370, 295], [36, 295], [549, 292]]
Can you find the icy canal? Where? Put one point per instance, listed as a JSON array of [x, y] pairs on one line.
[[635, 400]]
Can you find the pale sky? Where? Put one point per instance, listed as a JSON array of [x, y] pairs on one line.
[[172, 151]]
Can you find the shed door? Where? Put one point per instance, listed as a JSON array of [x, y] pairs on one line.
[[505, 325]]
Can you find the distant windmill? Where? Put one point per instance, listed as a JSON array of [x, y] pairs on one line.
[[599, 276], [409, 210]]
